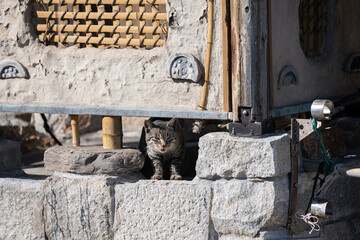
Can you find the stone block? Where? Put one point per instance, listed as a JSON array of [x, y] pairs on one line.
[[93, 160], [225, 156], [162, 210], [10, 156], [21, 208], [78, 207], [243, 207]]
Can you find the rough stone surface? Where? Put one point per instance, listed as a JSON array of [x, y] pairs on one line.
[[93, 160], [10, 156], [162, 210], [243, 207], [21, 209], [78, 207], [72, 76], [225, 156]]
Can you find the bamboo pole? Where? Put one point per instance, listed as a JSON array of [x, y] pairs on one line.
[[225, 48], [204, 90], [112, 132], [111, 2], [75, 130], [99, 16]]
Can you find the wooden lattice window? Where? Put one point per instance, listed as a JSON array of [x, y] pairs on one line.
[[102, 23], [313, 26]]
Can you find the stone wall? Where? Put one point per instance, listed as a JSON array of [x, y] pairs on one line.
[[229, 203]]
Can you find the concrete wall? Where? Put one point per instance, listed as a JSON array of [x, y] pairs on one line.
[[322, 77], [123, 78]]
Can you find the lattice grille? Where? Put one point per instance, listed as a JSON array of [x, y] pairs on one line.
[[312, 23], [102, 23]]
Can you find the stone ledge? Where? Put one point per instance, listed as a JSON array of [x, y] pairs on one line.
[[225, 156], [93, 160], [21, 208], [10, 156]]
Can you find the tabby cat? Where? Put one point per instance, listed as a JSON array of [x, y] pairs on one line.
[[165, 147]]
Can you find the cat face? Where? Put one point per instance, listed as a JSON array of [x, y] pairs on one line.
[[160, 135]]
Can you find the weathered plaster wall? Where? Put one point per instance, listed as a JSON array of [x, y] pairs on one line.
[[321, 78], [110, 77]]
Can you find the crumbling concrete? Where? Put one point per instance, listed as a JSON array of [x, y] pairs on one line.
[[224, 156], [68, 76], [93, 160], [10, 156]]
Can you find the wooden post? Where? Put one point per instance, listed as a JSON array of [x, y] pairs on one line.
[[225, 48], [75, 130], [235, 61], [112, 132]]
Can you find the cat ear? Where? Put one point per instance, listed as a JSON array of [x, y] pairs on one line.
[[148, 125], [172, 123]]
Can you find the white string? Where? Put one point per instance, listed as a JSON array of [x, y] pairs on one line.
[[309, 219]]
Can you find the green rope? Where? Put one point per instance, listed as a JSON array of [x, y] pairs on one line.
[[326, 155]]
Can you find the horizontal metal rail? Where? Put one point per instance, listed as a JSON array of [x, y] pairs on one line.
[[112, 111]]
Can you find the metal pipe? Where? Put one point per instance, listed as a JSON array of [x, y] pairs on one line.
[[205, 87], [322, 109], [113, 111], [322, 208]]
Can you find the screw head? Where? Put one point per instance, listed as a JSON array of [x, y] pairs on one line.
[[245, 113]]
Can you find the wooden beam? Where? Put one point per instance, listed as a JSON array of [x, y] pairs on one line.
[[225, 49]]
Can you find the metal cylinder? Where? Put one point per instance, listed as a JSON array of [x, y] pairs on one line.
[[112, 132], [322, 109], [322, 208]]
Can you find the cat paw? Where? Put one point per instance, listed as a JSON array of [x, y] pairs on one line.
[[175, 177], [157, 177]]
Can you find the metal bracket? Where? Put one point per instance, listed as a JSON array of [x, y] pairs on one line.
[[300, 129], [294, 173], [251, 129]]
